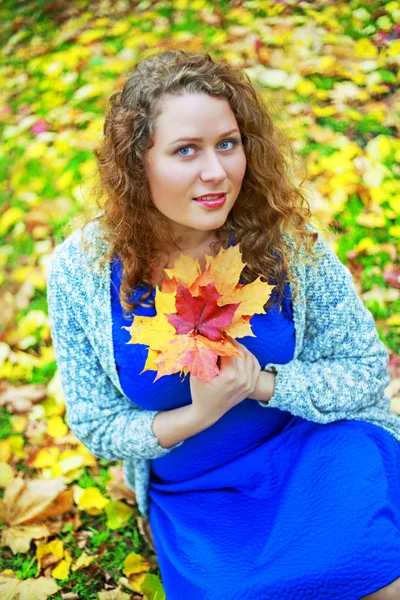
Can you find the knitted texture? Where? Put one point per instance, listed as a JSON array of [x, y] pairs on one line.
[[339, 369]]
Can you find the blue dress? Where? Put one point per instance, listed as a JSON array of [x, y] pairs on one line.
[[263, 504]]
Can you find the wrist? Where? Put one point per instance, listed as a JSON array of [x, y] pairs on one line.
[[199, 420], [265, 386]]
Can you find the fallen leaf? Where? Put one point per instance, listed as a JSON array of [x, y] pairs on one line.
[[82, 538], [12, 588], [391, 275], [134, 563], [19, 423], [21, 399], [19, 538], [116, 594], [6, 474], [49, 554], [36, 431], [134, 582], [116, 487], [56, 427], [118, 514], [90, 499], [61, 504], [393, 320], [83, 561], [45, 457], [145, 531], [25, 505], [5, 450], [152, 587], [17, 445], [61, 571]]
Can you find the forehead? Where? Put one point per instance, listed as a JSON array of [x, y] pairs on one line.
[[194, 114]]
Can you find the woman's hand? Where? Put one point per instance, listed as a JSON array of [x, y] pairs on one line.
[[236, 381]]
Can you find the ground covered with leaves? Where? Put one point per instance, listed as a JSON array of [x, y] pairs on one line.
[[328, 70]]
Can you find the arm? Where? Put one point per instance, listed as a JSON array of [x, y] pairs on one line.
[[342, 366], [171, 426], [103, 419]]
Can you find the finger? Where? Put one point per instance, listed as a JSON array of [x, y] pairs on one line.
[[250, 364], [242, 349], [244, 365], [248, 356]]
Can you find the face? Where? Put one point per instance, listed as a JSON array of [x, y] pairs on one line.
[[178, 171]]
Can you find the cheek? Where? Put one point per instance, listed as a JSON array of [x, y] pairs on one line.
[[239, 168], [173, 177]]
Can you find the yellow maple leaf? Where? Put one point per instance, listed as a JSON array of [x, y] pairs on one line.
[[19, 423], [118, 514], [90, 499], [225, 267], [154, 331], [56, 427], [134, 563], [89, 460], [5, 450], [46, 457], [61, 571], [17, 445], [393, 320], [150, 364], [134, 582], [186, 269]]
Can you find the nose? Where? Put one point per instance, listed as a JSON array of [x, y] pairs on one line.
[[212, 169]]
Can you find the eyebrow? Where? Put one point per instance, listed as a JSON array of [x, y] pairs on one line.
[[199, 139]]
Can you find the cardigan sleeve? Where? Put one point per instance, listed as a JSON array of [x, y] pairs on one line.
[[102, 418], [342, 366]]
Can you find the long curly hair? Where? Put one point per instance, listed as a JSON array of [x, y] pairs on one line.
[[269, 202]]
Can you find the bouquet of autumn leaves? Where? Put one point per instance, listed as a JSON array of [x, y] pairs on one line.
[[199, 314]]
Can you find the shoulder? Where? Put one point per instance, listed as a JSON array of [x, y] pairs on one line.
[[306, 264], [90, 234], [323, 279], [326, 279], [81, 250], [77, 272]]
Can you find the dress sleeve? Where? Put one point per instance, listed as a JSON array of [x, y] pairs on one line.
[[342, 366], [102, 418]]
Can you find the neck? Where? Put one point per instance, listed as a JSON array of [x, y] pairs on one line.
[[194, 243]]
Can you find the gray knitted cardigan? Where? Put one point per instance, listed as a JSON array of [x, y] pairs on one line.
[[339, 368]]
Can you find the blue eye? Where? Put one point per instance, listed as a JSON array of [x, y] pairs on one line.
[[231, 141], [183, 148]]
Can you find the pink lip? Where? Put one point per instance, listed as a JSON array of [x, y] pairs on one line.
[[212, 203]]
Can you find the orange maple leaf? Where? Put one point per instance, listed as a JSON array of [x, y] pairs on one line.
[[199, 314]]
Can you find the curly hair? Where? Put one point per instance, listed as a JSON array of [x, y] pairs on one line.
[[269, 203]]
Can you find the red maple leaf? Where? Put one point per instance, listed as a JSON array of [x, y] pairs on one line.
[[201, 314]]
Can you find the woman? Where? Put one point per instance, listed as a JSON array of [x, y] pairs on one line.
[[280, 479]]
